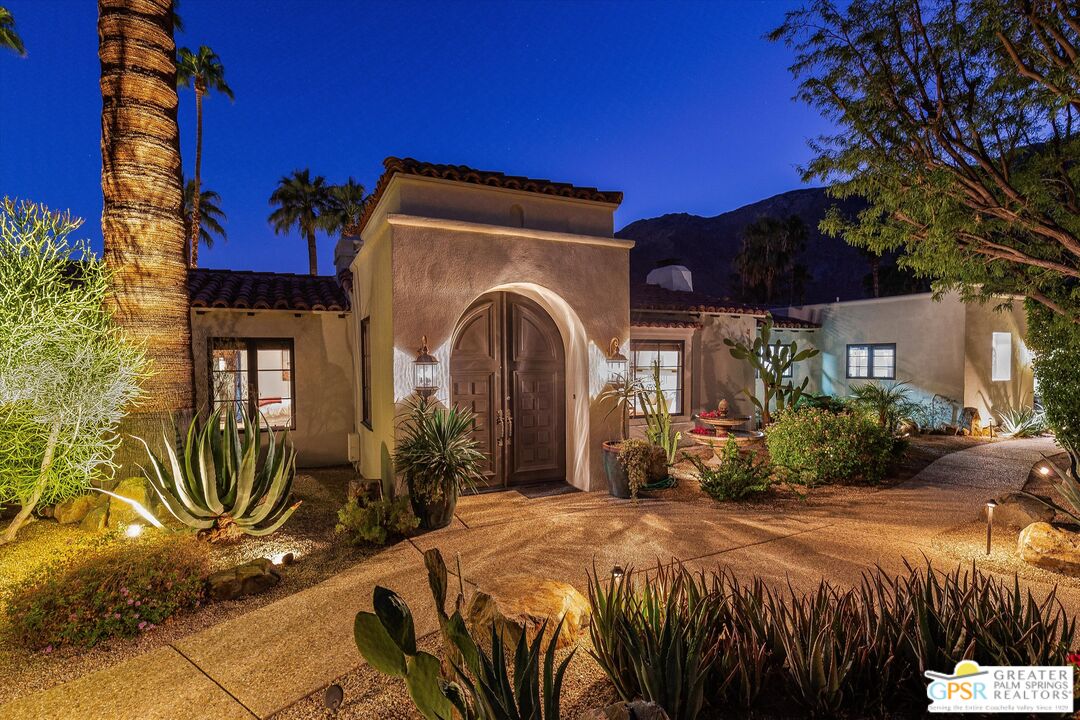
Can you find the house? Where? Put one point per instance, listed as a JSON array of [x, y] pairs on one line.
[[513, 292]]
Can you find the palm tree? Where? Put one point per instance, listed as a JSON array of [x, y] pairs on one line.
[[9, 38], [344, 210], [141, 219], [210, 214], [768, 255], [204, 72], [301, 201]]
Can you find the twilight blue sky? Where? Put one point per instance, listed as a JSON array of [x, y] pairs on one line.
[[683, 106]]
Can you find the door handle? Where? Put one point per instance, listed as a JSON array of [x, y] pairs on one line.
[[509, 421], [499, 428]]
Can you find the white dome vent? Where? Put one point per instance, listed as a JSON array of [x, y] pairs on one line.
[[671, 277]]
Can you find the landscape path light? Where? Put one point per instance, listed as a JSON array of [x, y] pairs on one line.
[[989, 523]]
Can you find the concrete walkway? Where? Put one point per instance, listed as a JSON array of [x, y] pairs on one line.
[[259, 663]]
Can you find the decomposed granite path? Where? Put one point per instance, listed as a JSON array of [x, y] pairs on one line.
[[261, 662]]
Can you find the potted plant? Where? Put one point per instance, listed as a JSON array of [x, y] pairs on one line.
[[655, 455], [621, 396], [438, 457]]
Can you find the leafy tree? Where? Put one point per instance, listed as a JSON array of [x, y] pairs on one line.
[[301, 201], [66, 371], [203, 72], [210, 214], [768, 257], [1056, 344], [344, 209], [9, 38], [958, 122]]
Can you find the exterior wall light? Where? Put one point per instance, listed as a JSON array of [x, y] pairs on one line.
[[1044, 471], [425, 368], [618, 365]]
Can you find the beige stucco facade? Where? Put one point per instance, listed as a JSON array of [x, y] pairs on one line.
[[432, 247], [943, 347], [322, 365]]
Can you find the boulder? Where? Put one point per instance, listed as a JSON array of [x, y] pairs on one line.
[[74, 509], [525, 602], [251, 578], [1043, 545], [1015, 511], [636, 710], [95, 520], [134, 488]]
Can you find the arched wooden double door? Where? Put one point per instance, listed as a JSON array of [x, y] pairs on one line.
[[507, 366]]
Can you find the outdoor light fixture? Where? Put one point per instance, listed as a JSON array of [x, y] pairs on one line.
[[617, 363], [617, 572], [424, 367], [134, 530], [989, 523], [1044, 471]]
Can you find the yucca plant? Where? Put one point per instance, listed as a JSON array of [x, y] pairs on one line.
[[439, 458], [215, 482], [654, 407]]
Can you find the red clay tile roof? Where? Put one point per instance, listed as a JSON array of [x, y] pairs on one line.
[[466, 174], [249, 290], [789, 323], [654, 297], [645, 320]]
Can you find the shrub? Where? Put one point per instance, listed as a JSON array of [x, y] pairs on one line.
[[376, 521], [66, 371], [119, 590], [888, 405], [222, 483], [822, 401], [737, 476], [855, 653], [1055, 341], [816, 446]]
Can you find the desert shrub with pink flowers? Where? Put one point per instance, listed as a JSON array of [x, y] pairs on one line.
[[120, 590]]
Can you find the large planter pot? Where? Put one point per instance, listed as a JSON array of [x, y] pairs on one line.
[[433, 514], [618, 482]]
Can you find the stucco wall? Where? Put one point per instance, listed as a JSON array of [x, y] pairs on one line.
[[322, 366], [929, 337], [980, 390], [439, 269], [373, 299]]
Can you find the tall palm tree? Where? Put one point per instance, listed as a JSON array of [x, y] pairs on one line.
[[204, 72], [301, 200], [344, 209], [9, 38], [210, 214], [768, 255], [141, 219]]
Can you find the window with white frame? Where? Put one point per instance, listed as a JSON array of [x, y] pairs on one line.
[[877, 361], [254, 376], [1001, 357], [667, 355]]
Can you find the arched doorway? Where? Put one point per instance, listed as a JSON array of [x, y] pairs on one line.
[[507, 365]]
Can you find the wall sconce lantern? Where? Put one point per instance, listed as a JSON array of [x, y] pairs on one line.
[[424, 371], [618, 365]]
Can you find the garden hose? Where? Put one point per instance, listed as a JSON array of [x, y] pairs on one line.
[[662, 484]]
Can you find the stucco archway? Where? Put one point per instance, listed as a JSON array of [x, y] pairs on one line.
[[576, 354]]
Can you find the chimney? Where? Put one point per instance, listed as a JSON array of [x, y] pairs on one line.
[[671, 277], [344, 252]]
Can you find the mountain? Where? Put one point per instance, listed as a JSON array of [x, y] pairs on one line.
[[708, 246]]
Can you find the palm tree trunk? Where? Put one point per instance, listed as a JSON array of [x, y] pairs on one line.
[[29, 503], [312, 254], [142, 216], [196, 219]]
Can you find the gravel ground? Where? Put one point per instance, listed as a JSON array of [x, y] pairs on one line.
[[369, 695], [309, 534]]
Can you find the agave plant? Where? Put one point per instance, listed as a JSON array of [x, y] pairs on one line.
[[215, 483], [1022, 422]]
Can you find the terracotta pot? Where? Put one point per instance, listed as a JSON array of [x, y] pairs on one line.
[[618, 482], [433, 514]]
